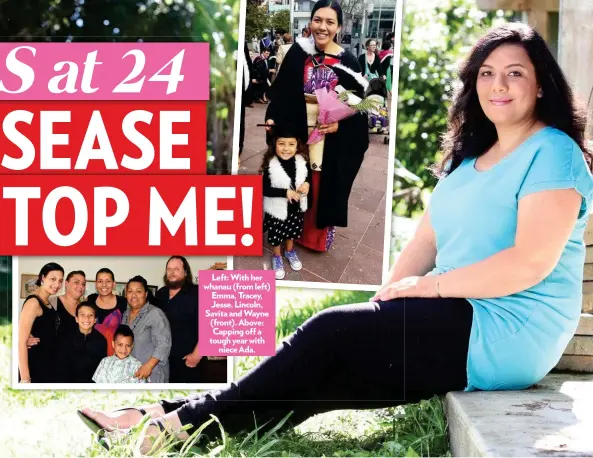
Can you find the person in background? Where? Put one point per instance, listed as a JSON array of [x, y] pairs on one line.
[[261, 76], [39, 318], [369, 61], [386, 62], [282, 51], [264, 43], [81, 351], [152, 334], [247, 95], [121, 366], [110, 306]]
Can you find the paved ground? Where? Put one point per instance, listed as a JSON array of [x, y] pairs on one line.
[[357, 254]]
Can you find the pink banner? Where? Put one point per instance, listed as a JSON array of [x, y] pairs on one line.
[[104, 71], [237, 313]]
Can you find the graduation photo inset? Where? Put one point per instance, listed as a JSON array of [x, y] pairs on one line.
[[315, 123]]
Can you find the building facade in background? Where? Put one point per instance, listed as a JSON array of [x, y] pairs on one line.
[[363, 19]]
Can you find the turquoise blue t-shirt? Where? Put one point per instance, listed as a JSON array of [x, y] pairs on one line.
[[515, 340]]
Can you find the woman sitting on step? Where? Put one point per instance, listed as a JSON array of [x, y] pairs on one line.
[[487, 294]]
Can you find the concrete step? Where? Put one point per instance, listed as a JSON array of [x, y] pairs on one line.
[[589, 232], [554, 418], [585, 327], [580, 345], [589, 255], [575, 356], [576, 363], [588, 272], [587, 297]]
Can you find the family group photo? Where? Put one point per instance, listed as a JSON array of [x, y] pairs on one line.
[[434, 158], [315, 122], [109, 325]]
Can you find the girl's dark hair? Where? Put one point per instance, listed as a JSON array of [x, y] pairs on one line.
[[138, 279], [470, 133], [302, 149], [385, 45], [49, 267], [105, 270], [75, 272], [189, 279], [333, 4]]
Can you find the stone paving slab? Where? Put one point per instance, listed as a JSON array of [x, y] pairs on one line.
[[554, 418]]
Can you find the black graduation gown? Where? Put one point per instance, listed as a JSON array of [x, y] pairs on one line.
[[344, 150]]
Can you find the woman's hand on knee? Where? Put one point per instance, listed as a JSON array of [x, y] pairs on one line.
[[425, 287]]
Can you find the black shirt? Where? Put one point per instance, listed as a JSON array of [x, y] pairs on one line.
[[121, 304], [182, 312], [66, 323], [80, 355]]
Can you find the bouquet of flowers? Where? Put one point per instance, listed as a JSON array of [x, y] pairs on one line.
[[337, 105]]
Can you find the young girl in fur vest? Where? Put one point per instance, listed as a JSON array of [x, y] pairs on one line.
[[286, 186]]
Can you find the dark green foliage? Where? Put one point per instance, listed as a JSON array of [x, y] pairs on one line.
[[5, 289], [256, 21], [434, 40], [280, 21], [212, 21]]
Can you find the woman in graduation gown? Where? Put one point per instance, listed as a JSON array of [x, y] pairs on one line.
[[335, 161]]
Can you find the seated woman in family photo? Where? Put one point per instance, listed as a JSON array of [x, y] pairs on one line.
[[37, 363], [492, 275], [152, 334], [336, 160]]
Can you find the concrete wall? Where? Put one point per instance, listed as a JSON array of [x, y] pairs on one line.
[[576, 48]]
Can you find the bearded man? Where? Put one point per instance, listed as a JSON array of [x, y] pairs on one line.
[[179, 300]]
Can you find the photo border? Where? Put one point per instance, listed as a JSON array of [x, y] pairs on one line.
[[390, 159], [15, 385]]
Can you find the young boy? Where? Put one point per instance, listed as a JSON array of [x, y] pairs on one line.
[[81, 351], [121, 366]]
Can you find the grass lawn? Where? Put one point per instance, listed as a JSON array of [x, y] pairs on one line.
[[44, 423]]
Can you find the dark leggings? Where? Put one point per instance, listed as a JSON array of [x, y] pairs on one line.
[[358, 356]]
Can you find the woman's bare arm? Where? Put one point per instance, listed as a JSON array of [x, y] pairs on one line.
[[544, 224], [31, 310], [418, 256]]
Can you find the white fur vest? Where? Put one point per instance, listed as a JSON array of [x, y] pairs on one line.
[[278, 206]]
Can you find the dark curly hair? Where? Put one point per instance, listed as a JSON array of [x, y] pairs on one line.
[[302, 149], [470, 133]]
